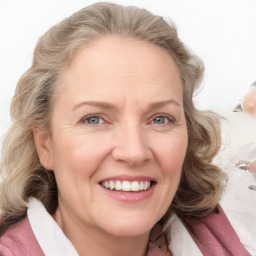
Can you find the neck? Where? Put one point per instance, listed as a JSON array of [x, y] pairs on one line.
[[89, 240]]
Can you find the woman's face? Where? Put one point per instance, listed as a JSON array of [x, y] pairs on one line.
[[118, 138]]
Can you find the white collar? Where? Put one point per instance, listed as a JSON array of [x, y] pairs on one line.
[[182, 244], [49, 235]]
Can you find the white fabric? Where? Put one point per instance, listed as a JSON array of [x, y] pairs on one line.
[[49, 235], [182, 243], [239, 201], [246, 152]]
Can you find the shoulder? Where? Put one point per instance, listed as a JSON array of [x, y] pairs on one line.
[[214, 234], [19, 240]]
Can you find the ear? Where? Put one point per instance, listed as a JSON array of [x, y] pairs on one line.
[[43, 147]]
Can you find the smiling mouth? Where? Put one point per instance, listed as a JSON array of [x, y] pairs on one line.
[[126, 186]]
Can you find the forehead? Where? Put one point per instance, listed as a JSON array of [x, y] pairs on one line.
[[122, 50], [121, 62]]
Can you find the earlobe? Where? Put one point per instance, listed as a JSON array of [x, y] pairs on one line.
[[43, 146]]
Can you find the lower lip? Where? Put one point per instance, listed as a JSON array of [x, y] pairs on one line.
[[130, 196]]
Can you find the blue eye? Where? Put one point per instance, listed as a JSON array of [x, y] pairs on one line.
[[160, 120], [94, 120]]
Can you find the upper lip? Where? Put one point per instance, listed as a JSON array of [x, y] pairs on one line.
[[128, 178]]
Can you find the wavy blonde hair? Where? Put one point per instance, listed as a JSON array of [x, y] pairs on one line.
[[24, 177]]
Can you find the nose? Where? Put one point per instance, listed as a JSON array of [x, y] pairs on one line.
[[131, 146]]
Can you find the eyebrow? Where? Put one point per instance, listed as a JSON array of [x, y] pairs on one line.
[[105, 105], [163, 103]]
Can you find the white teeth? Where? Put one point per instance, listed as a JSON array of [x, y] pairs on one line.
[[146, 185], [106, 184], [118, 185], [126, 185], [135, 186], [111, 185], [141, 185]]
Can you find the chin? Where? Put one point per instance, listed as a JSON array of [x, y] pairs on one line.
[[130, 227]]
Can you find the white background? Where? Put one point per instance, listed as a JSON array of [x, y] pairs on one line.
[[221, 32]]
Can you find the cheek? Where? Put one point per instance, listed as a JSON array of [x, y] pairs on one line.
[[171, 157], [76, 157], [172, 153], [74, 169]]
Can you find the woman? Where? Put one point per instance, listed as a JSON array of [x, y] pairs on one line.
[[106, 145]]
